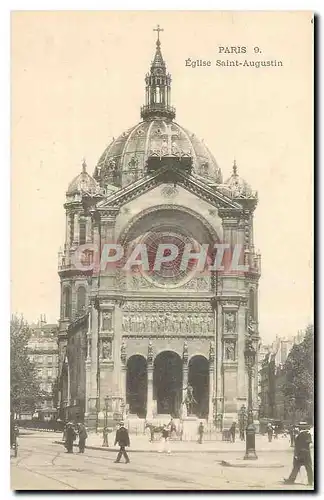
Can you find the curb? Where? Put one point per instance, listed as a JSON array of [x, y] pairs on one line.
[[251, 465], [192, 450]]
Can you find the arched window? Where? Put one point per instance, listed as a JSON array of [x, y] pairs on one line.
[[82, 231], [158, 95], [81, 299], [71, 228], [67, 302]]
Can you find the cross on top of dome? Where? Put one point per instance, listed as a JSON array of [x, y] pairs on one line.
[[158, 29]]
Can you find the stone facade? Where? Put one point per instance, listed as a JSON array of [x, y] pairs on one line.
[[144, 336]]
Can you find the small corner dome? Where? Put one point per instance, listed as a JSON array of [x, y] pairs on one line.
[[83, 182], [237, 185]]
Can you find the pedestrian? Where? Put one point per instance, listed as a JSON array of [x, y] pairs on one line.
[[173, 428], [302, 455], [242, 433], [82, 431], [122, 438], [70, 436], [270, 432], [200, 432], [165, 440], [232, 432], [105, 437]]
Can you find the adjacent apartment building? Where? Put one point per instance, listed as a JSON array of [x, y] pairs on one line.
[[43, 352]]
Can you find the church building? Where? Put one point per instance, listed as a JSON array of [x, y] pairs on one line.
[[141, 338]]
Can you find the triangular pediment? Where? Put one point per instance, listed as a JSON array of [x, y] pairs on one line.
[[169, 174]]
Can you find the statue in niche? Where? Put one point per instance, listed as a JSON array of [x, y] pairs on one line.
[[112, 165], [125, 323], [107, 321], [251, 326], [230, 351], [123, 351], [106, 349], [230, 322]]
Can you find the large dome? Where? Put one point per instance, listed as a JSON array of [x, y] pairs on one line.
[[124, 160]]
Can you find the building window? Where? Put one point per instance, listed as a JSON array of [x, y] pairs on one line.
[[71, 228], [49, 359], [81, 299], [50, 372], [67, 302]]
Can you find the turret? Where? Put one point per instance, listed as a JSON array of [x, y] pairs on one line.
[[158, 88]]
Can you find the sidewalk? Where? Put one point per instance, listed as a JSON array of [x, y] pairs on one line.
[[141, 444]]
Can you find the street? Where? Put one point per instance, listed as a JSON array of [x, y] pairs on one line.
[[42, 464]]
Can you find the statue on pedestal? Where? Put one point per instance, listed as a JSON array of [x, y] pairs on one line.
[[189, 400]]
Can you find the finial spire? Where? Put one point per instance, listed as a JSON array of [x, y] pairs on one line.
[[234, 167], [158, 87], [84, 166]]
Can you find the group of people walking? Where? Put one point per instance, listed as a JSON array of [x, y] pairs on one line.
[[73, 430], [300, 439]]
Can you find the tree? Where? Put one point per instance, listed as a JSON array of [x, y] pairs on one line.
[[24, 386], [299, 386]]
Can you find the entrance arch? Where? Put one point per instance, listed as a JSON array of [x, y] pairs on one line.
[[167, 383], [198, 378], [136, 385]]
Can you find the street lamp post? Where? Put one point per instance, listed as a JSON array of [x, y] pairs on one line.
[[105, 430], [249, 355], [106, 410]]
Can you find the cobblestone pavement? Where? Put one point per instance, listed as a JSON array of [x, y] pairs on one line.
[[42, 464]]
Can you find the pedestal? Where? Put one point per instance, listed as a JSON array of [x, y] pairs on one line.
[[190, 428]]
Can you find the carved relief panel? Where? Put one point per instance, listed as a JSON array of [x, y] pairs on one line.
[[106, 321], [168, 323]]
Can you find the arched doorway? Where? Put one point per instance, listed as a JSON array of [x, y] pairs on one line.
[[136, 385], [167, 383], [198, 378]]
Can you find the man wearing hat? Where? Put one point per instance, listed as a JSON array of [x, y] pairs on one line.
[[122, 438], [302, 454]]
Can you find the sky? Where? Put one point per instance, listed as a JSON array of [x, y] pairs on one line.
[[78, 81]]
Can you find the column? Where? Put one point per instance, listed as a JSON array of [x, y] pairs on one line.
[[123, 381], [88, 230], [76, 230], [184, 385], [67, 231], [149, 403], [241, 372], [107, 223], [150, 368], [211, 391]]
